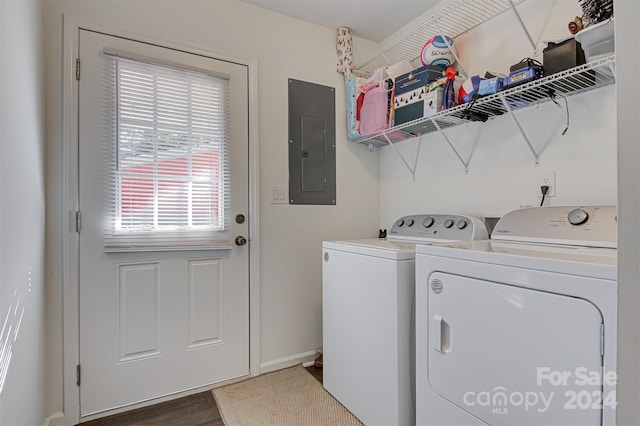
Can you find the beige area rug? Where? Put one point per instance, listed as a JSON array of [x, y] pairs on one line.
[[286, 397]]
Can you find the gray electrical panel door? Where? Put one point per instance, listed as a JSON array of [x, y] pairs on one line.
[[312, 143]]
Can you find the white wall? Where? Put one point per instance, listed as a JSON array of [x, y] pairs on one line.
[[628, 65], [502, 173], [291, 236], [22, 214]]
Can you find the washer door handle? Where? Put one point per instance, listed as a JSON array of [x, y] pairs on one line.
[[436, 332]]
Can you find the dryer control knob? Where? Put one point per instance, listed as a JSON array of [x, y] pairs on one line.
[[448, 223], [577, 216], [461, 224], [400, 222], [428, 222], [410, 222]]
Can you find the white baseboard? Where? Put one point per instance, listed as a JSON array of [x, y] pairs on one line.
[[304, 358], [55, 419]]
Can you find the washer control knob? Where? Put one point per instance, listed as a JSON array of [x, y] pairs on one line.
[[428, 222], [461, 224], [448, 223], [577, 216], [400, 222], [410, 222]]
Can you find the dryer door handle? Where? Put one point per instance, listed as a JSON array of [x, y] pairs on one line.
[[436, 332]]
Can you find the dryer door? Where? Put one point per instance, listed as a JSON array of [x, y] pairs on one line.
[[510, 355]]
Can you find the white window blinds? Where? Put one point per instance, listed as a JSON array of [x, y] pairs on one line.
[[169, 182]]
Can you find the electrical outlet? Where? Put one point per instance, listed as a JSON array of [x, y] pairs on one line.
[[548, 179]]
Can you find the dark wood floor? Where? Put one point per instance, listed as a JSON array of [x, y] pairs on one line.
[[194, 410]]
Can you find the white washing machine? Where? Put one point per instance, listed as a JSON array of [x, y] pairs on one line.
[[368, 288], [520, 329]]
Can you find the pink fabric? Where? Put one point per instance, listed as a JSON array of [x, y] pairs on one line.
[[364, 88], [373, 115]]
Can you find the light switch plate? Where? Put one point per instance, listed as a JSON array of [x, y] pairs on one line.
[[279, 195]]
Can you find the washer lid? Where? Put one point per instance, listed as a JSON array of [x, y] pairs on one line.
[[395, 250]]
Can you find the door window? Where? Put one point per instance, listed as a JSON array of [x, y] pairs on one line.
[[169, 180]]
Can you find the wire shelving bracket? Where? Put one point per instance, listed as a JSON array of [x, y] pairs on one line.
[[522, 132], [453, 148], [412, 170], [524, 27]]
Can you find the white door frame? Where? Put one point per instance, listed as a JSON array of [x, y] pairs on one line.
[[70, 202]]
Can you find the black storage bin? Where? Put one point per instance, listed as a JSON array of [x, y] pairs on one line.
[[562, 56]]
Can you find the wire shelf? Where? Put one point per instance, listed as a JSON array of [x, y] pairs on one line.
[[583, 78], [453, 20]]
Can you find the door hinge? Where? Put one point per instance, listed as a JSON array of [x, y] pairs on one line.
[[77, 68], [78, 374], [78, 221]]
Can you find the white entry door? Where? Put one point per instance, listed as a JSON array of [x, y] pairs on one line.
[[164, 286]]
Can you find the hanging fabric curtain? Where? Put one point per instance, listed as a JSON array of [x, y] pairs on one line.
[[344, 47], [345, 66]]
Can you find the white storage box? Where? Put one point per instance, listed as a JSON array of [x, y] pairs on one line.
[[597, 40]]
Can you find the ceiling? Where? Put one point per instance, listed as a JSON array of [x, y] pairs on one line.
[[370, 19]]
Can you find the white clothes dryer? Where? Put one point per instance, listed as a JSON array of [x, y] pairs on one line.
[[368, 288], [520, 329]]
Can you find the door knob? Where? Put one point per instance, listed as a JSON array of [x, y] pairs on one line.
[[240, 240]]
